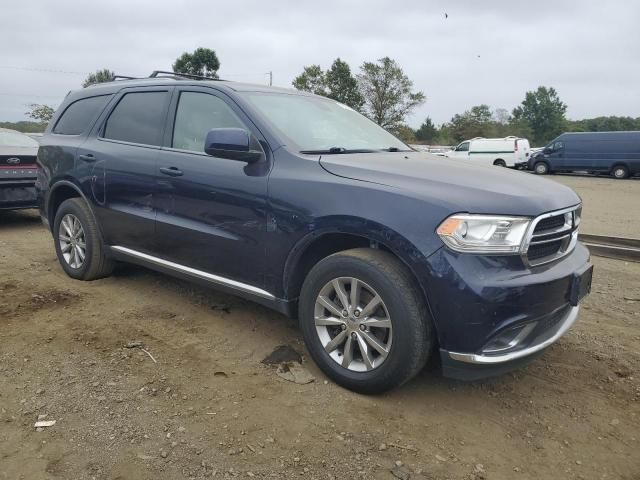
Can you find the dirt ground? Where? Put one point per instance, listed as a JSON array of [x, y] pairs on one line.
[[207, 407], [610, 206]]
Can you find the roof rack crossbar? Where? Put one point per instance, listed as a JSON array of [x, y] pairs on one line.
[[155, 74]]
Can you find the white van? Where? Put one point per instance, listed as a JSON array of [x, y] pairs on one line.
[[503, 152]]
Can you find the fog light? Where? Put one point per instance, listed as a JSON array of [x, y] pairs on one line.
[[509, 339]]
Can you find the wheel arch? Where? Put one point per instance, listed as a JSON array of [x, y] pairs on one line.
[[319, 244], [64, 190], [620, 163], [542, 161]]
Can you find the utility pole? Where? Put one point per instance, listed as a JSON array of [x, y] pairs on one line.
[[270, 73]]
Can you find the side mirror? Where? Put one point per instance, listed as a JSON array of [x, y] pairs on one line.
[[231, 143], [547, 150]]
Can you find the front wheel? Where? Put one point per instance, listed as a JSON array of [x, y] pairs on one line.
[[364, 321], [541, 168]]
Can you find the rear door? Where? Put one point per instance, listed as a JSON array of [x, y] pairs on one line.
[[211, 211], [122, 155], [523, 150]]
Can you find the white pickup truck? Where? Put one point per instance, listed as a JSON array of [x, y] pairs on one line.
[[503, 152]]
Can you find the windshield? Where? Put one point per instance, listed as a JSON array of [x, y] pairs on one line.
[[15, 139], [314, 124]]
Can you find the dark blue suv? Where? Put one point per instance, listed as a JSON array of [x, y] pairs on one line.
[[387, 256]]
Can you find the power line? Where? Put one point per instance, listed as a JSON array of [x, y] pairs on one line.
[[29, 69], [10, 94]]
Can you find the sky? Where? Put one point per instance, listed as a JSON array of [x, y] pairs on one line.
[[488, 52]]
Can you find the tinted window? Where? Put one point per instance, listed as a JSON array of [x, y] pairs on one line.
[[198, 113], [463, 147], [138, 118], [79, 115]]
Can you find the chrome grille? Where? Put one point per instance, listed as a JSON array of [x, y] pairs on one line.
[[552, 236]]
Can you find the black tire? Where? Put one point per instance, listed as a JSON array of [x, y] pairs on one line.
[[620, 172], [96, 263], [412, 332], [541, 168], [500, 163]]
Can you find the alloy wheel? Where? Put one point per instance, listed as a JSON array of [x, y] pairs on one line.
[[72, 241], [353, 324]]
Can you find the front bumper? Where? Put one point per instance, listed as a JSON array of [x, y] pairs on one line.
[[473, 366], [494, 314]]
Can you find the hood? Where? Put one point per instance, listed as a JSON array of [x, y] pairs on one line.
[[457, 185]]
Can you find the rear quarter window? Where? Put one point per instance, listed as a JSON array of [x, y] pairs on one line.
[[78, 116]]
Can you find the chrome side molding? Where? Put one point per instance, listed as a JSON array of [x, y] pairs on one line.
[[216, 279]]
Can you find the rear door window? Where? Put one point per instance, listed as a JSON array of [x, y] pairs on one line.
[[138, 118], [80, 115], [197, 113]]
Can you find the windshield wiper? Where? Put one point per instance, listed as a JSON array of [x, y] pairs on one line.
[[335, 151], [393, 149]]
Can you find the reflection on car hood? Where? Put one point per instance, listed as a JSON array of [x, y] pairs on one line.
[[458, 185]]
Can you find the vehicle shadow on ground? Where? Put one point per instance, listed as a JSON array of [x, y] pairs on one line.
[[427, 384], [12, 219]]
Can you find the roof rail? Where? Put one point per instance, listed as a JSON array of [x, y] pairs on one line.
[[156, 73], [124, 77]]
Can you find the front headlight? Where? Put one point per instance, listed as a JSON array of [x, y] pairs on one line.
[[487, 234]]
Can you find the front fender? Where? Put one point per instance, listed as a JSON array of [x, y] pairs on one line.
[[375, 233]]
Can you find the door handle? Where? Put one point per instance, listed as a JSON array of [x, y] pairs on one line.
[[89, 158], [171, 171]]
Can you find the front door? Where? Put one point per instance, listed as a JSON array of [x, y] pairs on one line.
[[460, 152], [211, 211]]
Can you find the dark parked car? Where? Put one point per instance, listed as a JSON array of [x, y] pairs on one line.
[[385, 255], [613, 153], [17, 170]]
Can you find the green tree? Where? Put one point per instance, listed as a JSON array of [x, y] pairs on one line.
[[99, 76], [203, 62], [312, 80], [388, 93], [604, 124], [427, 131], [404, 132], [544, 112], [342, 86], [476, 122], [519, 128], [40, 113], [25, 126]]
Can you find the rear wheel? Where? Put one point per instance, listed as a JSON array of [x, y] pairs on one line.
[[500, 163], [541, 168], [620, 172], [363, 320], [78, 244]]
